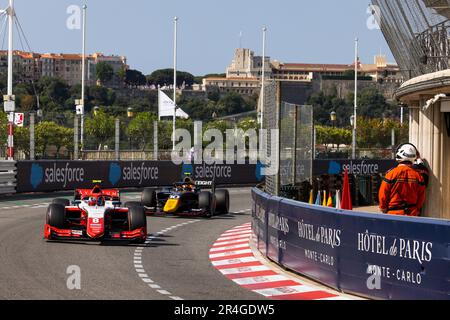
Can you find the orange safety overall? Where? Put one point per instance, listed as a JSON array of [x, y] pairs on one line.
[[402, 191]]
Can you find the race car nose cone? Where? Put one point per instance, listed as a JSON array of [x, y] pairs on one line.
[[95, 228], [171, 205]]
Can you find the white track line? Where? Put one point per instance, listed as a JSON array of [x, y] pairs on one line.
[[138, 266]]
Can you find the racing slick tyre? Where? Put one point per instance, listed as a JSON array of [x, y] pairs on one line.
[[63, 202], [56, 216], [136, 217], [222, 201], [205, 203], [148, 198], [130, 204]]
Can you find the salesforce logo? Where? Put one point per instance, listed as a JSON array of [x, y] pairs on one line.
[[36, 176], [334, 168], [60, 174], [115, 172]]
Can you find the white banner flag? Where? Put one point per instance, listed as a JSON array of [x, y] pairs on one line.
[[166, 106]]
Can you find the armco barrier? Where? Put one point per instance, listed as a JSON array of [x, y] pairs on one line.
[[44, 176], [7, 177], [376, 256]]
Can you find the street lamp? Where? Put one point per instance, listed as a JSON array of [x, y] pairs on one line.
[[130, 113], [333, 118], [353, 124]]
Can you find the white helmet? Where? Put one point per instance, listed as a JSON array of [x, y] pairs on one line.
[[406, 152]]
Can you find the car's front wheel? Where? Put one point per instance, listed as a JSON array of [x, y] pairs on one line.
[[56, 216], [222, 201], [137, 218], [148, 198], [205, 202], [61, 201]]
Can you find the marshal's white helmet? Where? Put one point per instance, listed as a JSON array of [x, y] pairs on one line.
[[406, 153]]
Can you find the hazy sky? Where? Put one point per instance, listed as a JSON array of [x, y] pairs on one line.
[[318, 31]]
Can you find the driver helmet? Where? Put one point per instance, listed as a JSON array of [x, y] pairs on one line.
[[406, 153], [92, 201], [100, 201]]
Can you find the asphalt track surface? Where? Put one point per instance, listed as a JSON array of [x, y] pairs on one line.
[[177, 262]]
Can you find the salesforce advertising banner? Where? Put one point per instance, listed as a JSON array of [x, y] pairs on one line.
[[42, 176], [225, 174], [354, 167], [259, 224], [39, 176], [373, 255]]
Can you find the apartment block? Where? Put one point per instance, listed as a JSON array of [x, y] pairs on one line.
[[33, 66]]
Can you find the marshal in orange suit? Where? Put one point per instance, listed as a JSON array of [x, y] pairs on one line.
[[403, 189]]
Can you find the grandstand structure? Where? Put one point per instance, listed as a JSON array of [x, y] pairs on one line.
[[418, 33]]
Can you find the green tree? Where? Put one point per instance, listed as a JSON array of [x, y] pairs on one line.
[[135, 78], [165, 77], [22, 140], [377, 133], [48, 133], [122, 74], [140, 129], [248, 124], [232, 103], [54, 95], [101, 127], [371, 104], [3, 128], [101, 96], [27, 102], [196, 108], [165, 135], [333, 136], [104, 72], [214, 95]]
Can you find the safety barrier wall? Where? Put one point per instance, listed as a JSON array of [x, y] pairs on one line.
[[372, 255], [45, 176], [7, 177]]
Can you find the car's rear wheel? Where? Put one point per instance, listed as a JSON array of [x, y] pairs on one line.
[[56, 216], [148, 198], [205, 202], [63, 202], [222, 201], [137, 218]]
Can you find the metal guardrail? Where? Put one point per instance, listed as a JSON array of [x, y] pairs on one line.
[[8, 179]]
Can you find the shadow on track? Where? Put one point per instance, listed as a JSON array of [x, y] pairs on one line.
[[156, 242]]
